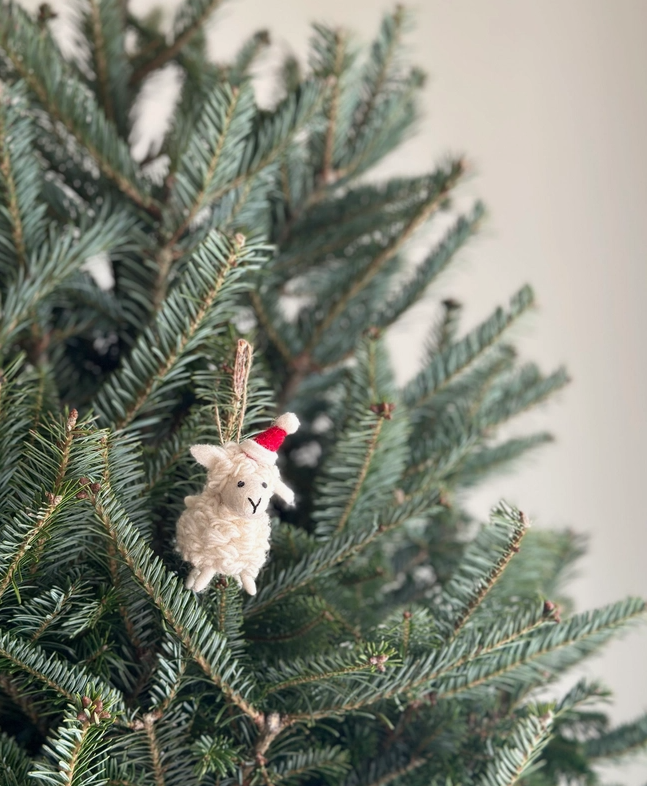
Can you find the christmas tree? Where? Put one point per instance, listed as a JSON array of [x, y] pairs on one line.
[[391, 640]]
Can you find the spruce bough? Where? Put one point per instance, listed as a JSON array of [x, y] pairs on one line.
[[380, 649]]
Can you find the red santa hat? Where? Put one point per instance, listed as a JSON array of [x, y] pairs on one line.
[[263, 447]]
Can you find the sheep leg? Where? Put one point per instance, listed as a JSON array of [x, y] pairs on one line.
[[202, 579], [190, 579], [248, 583]]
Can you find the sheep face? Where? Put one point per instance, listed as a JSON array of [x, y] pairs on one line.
[[237, 481], [247, 494]]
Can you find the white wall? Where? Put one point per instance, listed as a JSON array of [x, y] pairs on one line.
[[548, 101]]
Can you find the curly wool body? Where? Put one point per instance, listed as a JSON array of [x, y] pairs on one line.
[[226, 530], [216, 544]]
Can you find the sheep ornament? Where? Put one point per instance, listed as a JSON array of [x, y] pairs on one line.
[[226, 529]]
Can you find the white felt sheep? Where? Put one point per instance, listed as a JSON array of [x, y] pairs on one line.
[[226, 529]]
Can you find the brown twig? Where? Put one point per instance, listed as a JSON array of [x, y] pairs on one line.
[[240, 380], [149, 729], [329, 144], [368, 458], [12, 196], [493, 576], [100, 60]]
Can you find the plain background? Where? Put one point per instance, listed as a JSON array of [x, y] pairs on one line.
[[547, 99]]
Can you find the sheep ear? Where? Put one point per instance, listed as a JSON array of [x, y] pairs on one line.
[[207, 455]]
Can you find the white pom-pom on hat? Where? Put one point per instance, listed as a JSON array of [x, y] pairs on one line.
[[288, 422]]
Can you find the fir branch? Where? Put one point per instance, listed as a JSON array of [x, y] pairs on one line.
[[370, 452], [457, 358], [391, 120], [247, 56], [317, 669], [309, 568], [510, 762], [352, 698], [216, 754], [55, 613], [196, 12], [447, 430], [25, 532], [417, 675], [328, 762], [9, 183], [74, 756], [619, 742], [426, 272], [104, 25], [482, 462], [57, 259], [550, 649], [275, 134], [421, 216], [388, 777], [214, 154], [380, 65], [517, 392], [336, 497], [34, 533], [361, 471], [22, 225], [14, 762], [201, 303], [67, 101], [327, 228], [582, 693], [67, 680], [462, 664], [486, 639], [78, 750], [168, 676], [117, 583], [483, 564]]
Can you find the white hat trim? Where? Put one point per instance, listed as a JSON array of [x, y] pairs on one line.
[[258, 452]]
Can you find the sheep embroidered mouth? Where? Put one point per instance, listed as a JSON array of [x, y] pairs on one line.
[[255, 505]]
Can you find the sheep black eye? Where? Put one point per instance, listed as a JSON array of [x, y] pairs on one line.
[[241, 483], [264, 485]]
